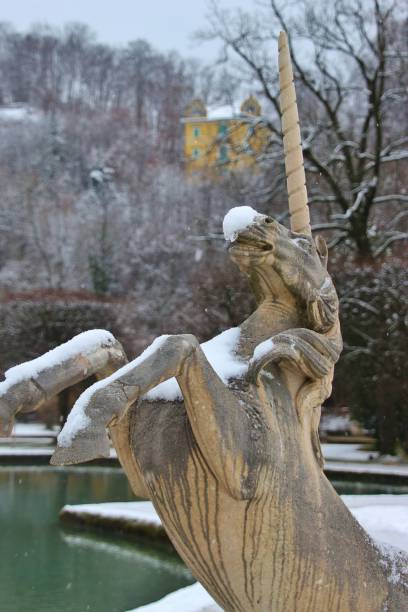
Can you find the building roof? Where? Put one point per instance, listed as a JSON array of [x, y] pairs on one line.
[[225, 112]]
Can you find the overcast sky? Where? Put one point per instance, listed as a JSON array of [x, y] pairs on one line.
[[166, 24]]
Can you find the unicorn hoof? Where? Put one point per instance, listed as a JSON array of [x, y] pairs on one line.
[[81, 450]]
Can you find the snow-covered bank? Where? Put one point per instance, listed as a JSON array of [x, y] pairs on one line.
[[29, 439], [34, 430], [384, 517], [193, 598], [367, 468], [125, 517], [357, 459], [35, 454], [141, 512], [347, 452], [11, 450]]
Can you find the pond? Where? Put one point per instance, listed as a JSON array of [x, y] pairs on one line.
[[44, 568], [346, 487]]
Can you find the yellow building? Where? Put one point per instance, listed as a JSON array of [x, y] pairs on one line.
[[223, 138]]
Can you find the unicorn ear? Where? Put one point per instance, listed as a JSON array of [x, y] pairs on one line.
[[321, 247]]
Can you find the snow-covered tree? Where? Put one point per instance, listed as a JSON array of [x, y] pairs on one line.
[[350, 60]]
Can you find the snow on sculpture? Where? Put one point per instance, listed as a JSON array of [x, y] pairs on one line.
[[228, 451]]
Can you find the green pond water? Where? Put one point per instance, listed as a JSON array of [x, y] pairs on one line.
[[367, 488], [45, 568]]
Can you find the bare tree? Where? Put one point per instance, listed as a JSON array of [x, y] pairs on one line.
[[349, 59]]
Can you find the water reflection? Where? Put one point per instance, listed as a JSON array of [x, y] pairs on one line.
[[149, 557], [344, 487], [43, 569]]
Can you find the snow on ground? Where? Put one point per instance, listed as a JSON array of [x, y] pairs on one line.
[[366, 468], [24, 450], [33, 430], [11, 450], [140, 512], [384, 517], [357, 459], [332, 422], [347, 452], [28, 439], [193, 598]]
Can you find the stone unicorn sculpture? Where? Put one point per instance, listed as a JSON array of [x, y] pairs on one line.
[[223, 437]]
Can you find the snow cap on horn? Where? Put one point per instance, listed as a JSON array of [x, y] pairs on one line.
[[292, 145]]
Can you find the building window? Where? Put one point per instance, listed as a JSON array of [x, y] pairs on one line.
[[223, 153], [222, 129], [196, 132], [196, 153]]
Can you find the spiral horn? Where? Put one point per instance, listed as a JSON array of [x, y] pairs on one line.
[[292, 145]]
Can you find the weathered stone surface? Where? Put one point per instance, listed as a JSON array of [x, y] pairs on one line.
[[235, 473]]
